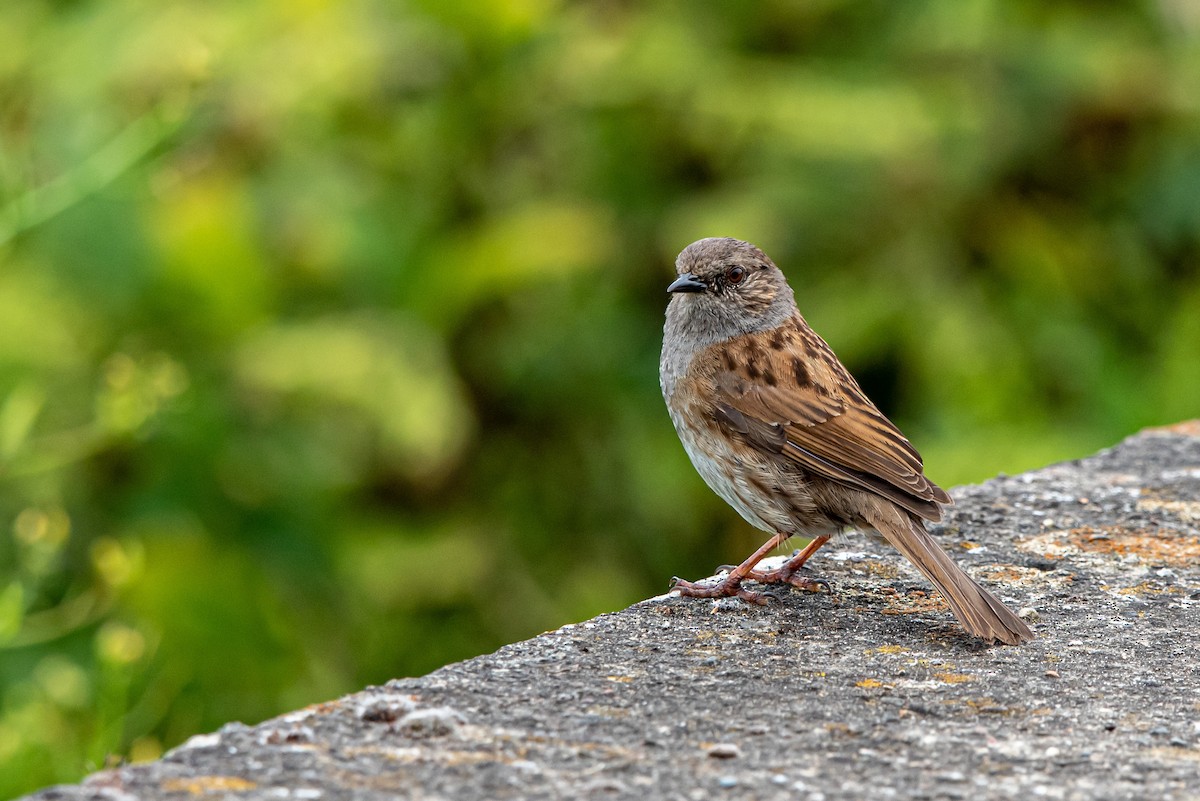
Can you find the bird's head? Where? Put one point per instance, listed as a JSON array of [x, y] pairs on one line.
[[728, 287]]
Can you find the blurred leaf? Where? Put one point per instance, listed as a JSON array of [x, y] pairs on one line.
[[539, 242], [389, 370], [212, 259], [12, 610], [17, 415], [40, 324]]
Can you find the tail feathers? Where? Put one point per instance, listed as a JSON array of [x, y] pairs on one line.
[[980, 613]]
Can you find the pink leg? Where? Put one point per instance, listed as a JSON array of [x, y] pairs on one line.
[[732, 584], [786, 573]]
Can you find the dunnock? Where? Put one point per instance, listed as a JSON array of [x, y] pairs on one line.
[[778, 428]]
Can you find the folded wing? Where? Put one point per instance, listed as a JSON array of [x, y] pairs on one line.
[[810, 410]]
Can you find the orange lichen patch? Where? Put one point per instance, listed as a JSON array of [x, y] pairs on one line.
[[915, 602], [953, 678], [621, 679], [325, 707], [870, 684], [890, 649], [1189, 428], [988, 706], [967, 545], [882, 569], [203, 785], [1009, 574], [1161, 546], [1188, 511], [1145, 588]]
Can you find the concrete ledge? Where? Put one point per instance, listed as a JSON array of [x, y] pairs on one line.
[[871, 692]]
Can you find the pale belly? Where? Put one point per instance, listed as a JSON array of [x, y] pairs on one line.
[[768, 497]]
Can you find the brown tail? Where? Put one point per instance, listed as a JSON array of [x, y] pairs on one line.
[[980, 613]]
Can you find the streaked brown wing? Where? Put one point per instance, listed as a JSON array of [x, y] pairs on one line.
[[798, 400]]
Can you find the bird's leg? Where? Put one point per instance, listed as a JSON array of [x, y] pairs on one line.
[[731, 585], [786, 573]]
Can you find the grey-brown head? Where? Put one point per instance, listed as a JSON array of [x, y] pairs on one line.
[[726, 287]]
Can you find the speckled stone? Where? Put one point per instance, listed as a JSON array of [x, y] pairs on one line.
[[871, 691]]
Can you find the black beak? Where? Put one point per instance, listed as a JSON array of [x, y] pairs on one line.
[[687, 283]]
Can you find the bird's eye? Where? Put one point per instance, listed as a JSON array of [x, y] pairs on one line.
[[734, 275]]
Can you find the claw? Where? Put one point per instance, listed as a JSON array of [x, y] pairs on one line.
[[812, 585], [756, 598]]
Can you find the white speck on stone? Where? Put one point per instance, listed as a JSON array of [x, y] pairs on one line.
[[201, 741], [436, 722], [307, 793]]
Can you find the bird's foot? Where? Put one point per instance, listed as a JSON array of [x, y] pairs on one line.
[[789, 571], [786, 573], [730, 587], [783, 575]]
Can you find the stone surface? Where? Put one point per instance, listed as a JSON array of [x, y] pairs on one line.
[[869, 692]]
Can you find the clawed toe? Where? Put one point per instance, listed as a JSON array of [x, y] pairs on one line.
[[792, 578], [756, 598], [729, 588], [731, 585], [811, 585]]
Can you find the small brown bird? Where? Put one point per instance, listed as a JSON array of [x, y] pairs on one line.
[[778, 428]]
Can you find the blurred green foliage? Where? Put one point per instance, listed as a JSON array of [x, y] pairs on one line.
[[329, 330]]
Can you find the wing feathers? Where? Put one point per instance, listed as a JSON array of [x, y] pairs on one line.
[[816, 415]]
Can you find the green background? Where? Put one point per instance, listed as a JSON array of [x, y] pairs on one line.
[[329, 330]]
